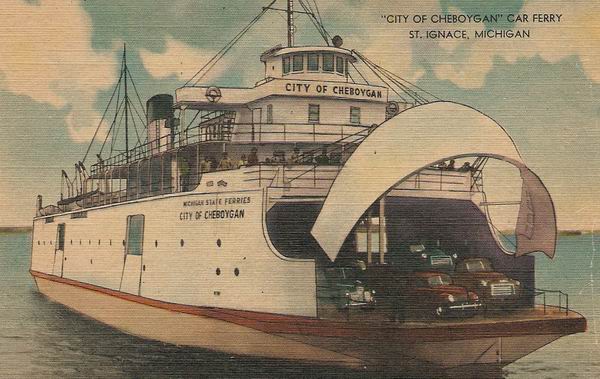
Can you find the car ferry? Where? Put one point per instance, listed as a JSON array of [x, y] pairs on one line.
[[300, 218]]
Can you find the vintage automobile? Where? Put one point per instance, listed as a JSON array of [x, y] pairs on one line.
[[428, 294], [494, 288], [420, 257], [345, 286]]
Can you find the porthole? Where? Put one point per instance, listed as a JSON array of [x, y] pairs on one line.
[[219, 242], [236, 272], [155, 243], [181, 242], [71, 242], [80, 242], [218, 271], [98, 242], [89, 242], [38, 242], [110, 242]]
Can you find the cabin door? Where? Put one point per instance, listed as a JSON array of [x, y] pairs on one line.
[[256, 124], [131, 277], [59, 251]]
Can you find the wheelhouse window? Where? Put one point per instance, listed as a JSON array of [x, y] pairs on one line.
[[313, 113], [354, 115], [328, 62], [313, 62], [298, 63], [269, 113], [286, 65], [339, 65]]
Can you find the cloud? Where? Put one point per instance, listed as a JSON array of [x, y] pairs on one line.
[[178, 60], [46, 54], [468, 62]]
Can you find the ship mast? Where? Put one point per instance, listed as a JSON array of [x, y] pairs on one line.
[[290, 22], [126, 104]]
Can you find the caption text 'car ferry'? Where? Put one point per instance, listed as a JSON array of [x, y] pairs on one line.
[[334, 213]]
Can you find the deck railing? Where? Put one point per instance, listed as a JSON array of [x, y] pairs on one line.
[[235, 132]]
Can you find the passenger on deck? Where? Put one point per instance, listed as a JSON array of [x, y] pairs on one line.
[[225, 163], [466, 167], [278, 156], [451, 165], [253, 157], [295, 156], [204, 165], [243, 161], [323, 158]]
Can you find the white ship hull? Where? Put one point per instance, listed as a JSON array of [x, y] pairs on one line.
[[491, 342]]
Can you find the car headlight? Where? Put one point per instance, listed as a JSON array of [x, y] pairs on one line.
[[424, 256], [484, 283], [455, 256], [517, 283], [451, 298]]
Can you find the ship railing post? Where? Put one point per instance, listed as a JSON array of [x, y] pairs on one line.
[[567, 301], [560, 301], [544, 294]]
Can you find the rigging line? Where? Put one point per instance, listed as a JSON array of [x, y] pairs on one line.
[[113, 144], [137, 93], [377, 73], [117, 108], [406, 90], [100, 123], [384, 72], [318, 12], [134, 124], [385, 82], [412, 84], [110, 129], [315, 22], [138, 114], [225, 47], [231, 45], [243, 31], [360, 73], [191, 122], [351, 78], [319, 20]]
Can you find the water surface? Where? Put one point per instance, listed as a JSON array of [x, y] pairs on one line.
[[39, 338]]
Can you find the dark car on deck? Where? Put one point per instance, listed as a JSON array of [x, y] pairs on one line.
[[345, 285], [493, 288], [421, 257], [427, 294]]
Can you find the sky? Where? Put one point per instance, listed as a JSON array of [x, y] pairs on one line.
[[60, 59]]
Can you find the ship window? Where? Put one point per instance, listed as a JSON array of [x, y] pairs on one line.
[[286, 65], [135, 234], [313, 62], [339, 65], [354, 115], [219, 242], [328, 62], [218, 271], [269, 113], [313, 113], [298, 63]]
